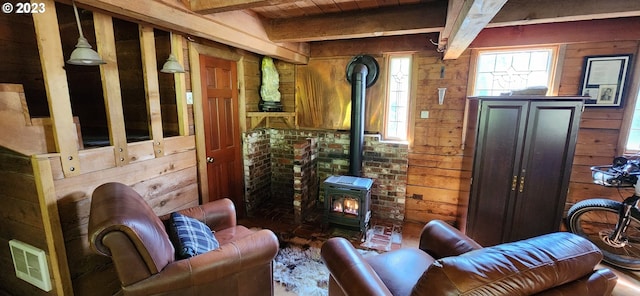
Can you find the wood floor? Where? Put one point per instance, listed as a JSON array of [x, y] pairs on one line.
[[278, 217]]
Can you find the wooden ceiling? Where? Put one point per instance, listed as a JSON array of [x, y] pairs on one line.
[[275, 9], [457, 21]]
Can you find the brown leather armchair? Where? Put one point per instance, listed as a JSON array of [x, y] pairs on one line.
[[449, 263], [124, 227]]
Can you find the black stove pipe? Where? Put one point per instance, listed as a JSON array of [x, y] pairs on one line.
[[358, 91]]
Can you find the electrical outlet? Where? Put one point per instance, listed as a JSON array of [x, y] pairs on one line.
[[424, 114], [189, 98]]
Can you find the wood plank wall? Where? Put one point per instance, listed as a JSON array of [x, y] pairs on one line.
[[600, 128], [435, 159], [167, 183], [21, 62], [435, 177], [21, 217], [436, 180], [48, 208]]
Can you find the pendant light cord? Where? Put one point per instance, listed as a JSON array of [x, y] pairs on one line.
[[75, 10]]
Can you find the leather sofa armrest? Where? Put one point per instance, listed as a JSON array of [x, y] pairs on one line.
[[349, 269], [525, 267], [599, 282], [440, 239], [218, 214], [257, 249]]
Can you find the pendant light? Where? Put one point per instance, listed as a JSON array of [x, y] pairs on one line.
[[83, 54], [172, 65]]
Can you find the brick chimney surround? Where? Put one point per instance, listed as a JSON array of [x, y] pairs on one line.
[[281, 162]]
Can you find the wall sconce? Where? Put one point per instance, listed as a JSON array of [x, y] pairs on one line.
[[83, 54], [441, 91], [172, 65]]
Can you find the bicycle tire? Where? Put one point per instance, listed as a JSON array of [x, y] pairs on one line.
[[593, 219]]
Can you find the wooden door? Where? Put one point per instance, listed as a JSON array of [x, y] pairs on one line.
[[546, 167], [500, 131], [222, 131]]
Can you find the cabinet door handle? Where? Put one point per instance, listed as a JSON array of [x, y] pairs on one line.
[[514, 182], [521, 184]]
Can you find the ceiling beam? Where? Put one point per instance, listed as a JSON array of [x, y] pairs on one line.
[[453, 12], [470, 20], [602, 30], [389, 21], [526, 12], [214, 6], [174, 16]]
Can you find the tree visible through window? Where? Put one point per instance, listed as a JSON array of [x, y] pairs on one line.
[[398, 97], [502, 71]]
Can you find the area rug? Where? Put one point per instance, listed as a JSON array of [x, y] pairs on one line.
[[383, 238], [302, 271]]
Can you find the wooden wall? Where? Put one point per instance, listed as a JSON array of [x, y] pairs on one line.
[[21, 62], [21, 218], [47, 205], [436, 180], [600, 128], [167, 183], [435, 157]]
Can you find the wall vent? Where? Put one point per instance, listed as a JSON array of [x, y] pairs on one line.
[[30, 264]]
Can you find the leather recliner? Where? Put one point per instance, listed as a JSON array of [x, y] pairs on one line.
[[448, 262], [124, 227]]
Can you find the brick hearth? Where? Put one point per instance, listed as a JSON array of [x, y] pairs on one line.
[[283, 163]]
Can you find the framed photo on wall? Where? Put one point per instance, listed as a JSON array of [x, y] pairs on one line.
[[604, 79]]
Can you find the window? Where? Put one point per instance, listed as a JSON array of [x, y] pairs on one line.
[[505, 70], [633, 139], [398, 93]]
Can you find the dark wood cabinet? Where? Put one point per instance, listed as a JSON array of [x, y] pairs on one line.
[[522, 151]]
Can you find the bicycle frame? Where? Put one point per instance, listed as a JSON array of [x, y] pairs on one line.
[[625, 212]]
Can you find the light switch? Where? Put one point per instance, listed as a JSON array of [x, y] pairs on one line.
[[189, 98], [424, 114]]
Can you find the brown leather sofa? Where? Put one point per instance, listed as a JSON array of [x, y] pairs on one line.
[[124, 227], [449, 263]]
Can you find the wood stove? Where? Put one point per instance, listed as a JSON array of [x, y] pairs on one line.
[[347, 200]]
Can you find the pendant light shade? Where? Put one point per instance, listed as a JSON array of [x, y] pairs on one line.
[[83, 54], [172, 65]]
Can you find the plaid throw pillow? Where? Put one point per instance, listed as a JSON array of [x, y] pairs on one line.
[[190, 237]]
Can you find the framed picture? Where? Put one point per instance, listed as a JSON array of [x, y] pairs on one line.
[[604, 79]]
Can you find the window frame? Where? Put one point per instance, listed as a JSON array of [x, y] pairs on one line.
[[557, 56], [628, 114], [411, 96]]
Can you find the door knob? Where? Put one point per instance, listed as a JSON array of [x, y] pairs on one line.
[[210, 159]]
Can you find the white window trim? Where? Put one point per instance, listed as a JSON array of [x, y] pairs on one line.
[[557, 64], [557, 61], [632, 96], [411, 104]]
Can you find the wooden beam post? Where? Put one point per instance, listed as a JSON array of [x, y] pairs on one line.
[[48, 202], [55, 81], [181, 86], [473, 17], [111, 86], [152, 88], [198, 121]]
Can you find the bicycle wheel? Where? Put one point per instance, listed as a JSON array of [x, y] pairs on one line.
[[595, 219]]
